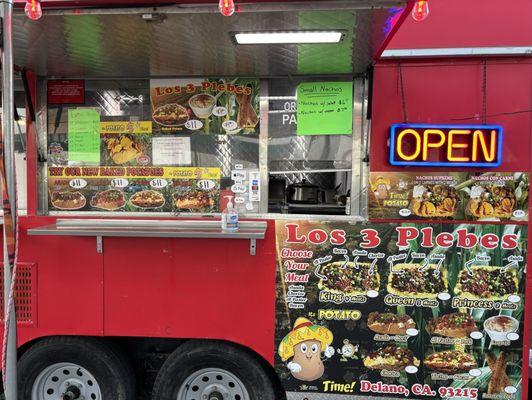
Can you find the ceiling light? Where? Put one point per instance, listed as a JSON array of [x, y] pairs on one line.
[[292, 37]]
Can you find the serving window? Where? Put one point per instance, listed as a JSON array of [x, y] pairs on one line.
[[186, 145]]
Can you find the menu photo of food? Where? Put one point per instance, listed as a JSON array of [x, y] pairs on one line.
[[497, 196], [199, 196], [483, 282], [209, 105], [435, 201], [388, 323], [450, 362], [147, 199], [418, 281], [391, 358], [505, 369], [108, 200], [453, 325], [348, 278], [171, 115], [67, 199], [125, 149]]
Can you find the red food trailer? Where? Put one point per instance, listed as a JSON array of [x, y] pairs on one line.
[[382, 243]]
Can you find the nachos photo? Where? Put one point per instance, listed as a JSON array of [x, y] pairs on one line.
[[432, 201]]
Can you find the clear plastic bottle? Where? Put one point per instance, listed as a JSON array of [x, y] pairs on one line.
[[229, 216]]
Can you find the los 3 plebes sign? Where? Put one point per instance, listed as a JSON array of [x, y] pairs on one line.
[[400, 310]]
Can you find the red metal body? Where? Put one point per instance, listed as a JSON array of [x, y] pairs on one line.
[[151, 287], [450, 91], [193, 288], [458, 23]]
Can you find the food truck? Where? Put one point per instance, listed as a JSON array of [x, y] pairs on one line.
[[382, 243]]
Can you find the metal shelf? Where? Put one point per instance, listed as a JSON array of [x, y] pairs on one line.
[[101, 228]]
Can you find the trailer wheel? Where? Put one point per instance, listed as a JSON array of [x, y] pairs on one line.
[[70, 368], [200, 370]]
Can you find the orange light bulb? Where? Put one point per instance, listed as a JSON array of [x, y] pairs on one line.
[[227, 7], [33, 9], [421, 10]]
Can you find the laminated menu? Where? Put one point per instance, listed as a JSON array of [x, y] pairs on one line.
[[458, 196], [205, 105], [134, 189], [400, 310]]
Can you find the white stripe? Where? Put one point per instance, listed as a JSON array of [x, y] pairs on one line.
[[458, 51]]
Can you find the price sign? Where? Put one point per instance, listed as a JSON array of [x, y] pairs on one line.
[[84, 135], [325, 108], [229, 125], [158, 183], [78, 183], [193, 124], [206, 184], [119, 183], [220, 111]]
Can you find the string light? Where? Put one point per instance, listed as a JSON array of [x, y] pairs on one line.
[[420, 10], [227, 7], [33, 9]]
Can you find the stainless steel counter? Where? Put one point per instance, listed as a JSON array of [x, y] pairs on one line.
[[100, 228]]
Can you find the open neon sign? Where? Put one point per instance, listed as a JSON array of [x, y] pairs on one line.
[[446, 145]]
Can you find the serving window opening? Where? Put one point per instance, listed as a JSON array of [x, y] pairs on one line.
[[186, 145]]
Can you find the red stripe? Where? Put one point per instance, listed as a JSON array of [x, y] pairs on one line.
[[303, 325]]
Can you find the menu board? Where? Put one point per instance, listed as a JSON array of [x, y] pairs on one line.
[[134, 189], [209, 105], [325, 108], [490, 196], [84, 135], [400, 310]]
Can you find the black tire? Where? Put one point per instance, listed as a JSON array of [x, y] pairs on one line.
[[110, 369], [196, 355]]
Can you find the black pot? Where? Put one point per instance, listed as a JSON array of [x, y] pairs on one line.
[[303, 193]]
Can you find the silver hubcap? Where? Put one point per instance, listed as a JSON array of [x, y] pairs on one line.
[[212, 384], [65, 381]]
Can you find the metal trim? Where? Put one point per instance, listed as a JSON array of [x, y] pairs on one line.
[[252, 247], [10, 317], [41, 136], [99, 244], [243, 8], [260, 216], [263, 145], [459, 51], [52, 230], [153, 224], [356, 145]]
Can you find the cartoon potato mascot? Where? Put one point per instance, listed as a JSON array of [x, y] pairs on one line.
[[380, 187], [304, 344]]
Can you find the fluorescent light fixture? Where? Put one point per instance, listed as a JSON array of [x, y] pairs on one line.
[[288, 37]]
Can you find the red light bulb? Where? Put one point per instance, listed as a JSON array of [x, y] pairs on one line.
[[33, 9], [227, 7], [420, 10]]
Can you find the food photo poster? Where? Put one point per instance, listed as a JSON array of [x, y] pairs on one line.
[[485, 197], [205, 105]]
